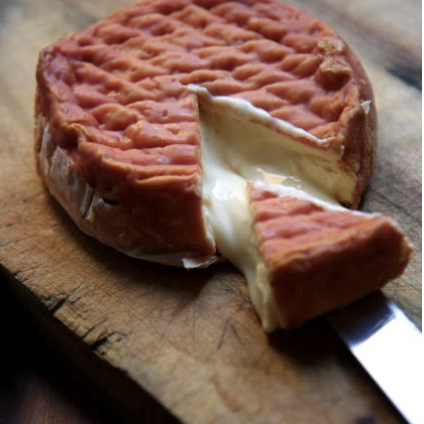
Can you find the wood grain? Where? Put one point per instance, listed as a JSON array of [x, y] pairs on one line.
[[191, 340]]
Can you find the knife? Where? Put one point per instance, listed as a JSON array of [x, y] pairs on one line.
[[390, 348]]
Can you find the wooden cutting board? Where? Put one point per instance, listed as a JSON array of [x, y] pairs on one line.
[[143, 335]]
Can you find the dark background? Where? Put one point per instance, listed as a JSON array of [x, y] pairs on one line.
[[35, 386]]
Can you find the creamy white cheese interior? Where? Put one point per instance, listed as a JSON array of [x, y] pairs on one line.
[[236, 148]]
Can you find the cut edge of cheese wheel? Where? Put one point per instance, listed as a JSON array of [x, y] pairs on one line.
[[304, 254]]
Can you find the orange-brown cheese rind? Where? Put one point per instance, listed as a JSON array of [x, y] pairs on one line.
[[320, 258], [115, 101]]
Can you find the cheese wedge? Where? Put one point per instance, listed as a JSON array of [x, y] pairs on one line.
[[157, 127], [273, 217]]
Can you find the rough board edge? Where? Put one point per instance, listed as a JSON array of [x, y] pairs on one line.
[[127, 402]]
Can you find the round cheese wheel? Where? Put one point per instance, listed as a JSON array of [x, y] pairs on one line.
[[153, 124]]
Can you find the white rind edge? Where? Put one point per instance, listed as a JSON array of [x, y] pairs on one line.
[[244, 109]]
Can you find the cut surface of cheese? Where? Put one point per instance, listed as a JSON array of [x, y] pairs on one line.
[[302, 253], [156, 126]]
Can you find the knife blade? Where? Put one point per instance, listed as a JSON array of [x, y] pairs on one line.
[[390, 348]]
